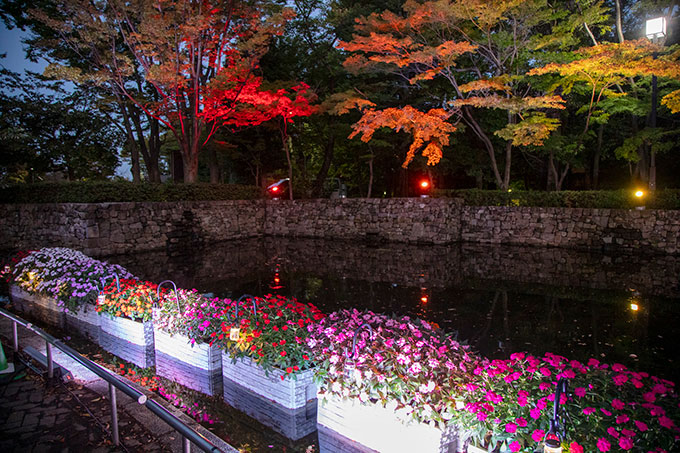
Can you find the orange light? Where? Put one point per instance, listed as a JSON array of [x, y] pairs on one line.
[[634, 306], [277, 280], [424, 299], [424, 184], [639, 194]]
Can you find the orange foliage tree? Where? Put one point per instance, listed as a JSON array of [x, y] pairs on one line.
[[467, 56]]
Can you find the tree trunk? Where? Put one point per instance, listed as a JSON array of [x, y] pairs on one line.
[[486, 141], [329, 149], [596, 158], [177, 165], [370, 176], [190, 163], [214, 167], [287, 145]]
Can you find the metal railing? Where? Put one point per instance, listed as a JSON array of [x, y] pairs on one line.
[[188, 434]]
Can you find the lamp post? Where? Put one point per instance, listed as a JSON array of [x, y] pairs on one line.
[[655, 30]]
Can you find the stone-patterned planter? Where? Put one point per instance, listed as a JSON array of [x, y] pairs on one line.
[[130, 340], [43, 308], [289, 393], [86, 321], [292, 423], [198, 367], [377, 428]]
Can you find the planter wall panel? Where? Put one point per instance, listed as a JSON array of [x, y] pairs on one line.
[[378, 428], [85, 321], [198, 367], [43, 308], [292, 423], [129, 340], [289, 393]]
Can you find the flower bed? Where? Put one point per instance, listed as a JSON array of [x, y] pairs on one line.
[[69, 276], [126, 326], [183, 350], [394, 363], [85, 320], [606, 407]]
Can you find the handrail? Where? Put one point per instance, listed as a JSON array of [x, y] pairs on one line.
[[189, 433]]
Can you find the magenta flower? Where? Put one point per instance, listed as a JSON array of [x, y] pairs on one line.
[[510, 428], [580, 392], [535, 413], [603, 444], [605, 412], [618, 404], [588, 410], [620, 379], [515, 446], [642, 427], [613, 432], [622, 419], [627, 433], [521, 422], [538, 435], [625, 443], [575, 448], [665, 422]]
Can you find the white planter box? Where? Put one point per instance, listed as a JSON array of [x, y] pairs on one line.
[[289, 393], [86, 321], [378, 428], [44, 308], [198, 367], [130, 340], [292, 423]]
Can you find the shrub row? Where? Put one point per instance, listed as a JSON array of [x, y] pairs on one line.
[[601, 199], [123, 191]]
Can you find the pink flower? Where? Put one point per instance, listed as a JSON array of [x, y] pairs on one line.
[[511, 428], [603, 444], [481, 416], [642, 427], [535, 413], [588, 410], [580, 392], [649, 397], [521, 422], [613, 432], [618, 367], [618, 404], [627, 433], [545, 372], [623, 418], [605, 411], [665, 422], [575, 448], [538, 435], [620, 379], [659, 388], [625, 443], [515, 446]]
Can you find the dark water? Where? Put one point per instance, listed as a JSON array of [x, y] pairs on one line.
[[617, 308]]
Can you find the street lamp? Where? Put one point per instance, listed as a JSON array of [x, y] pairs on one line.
[[656, 31]]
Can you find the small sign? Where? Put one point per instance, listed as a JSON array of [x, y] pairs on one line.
[[234, 333]]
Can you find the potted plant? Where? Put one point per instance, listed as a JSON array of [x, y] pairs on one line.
[[126, 321], [183, 349], [265, 350], [389, 383]]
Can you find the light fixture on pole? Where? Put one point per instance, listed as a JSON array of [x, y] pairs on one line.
[[655, 30]]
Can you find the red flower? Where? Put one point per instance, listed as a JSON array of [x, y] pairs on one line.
[[283, 353]]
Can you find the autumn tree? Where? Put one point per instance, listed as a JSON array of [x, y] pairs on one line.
[[165, 57], [472, 56]]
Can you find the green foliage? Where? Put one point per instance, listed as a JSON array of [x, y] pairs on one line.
[[123, 191], [601, 199]]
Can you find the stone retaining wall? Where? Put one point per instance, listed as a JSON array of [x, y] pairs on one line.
[[110, 228]]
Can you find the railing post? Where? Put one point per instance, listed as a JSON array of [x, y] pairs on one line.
[[16, 336], [186, 445], [50, 362], [114, 414]]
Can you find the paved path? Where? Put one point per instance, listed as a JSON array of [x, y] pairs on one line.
[[41, 416]]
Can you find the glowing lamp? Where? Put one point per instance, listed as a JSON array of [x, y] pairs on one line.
[[634, 306], [275, 189], [639, 193], [424, 184], [552, 446], [424, 299], [655, 28]]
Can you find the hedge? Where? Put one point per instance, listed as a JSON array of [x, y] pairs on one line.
[[600, 199], [122, 191]]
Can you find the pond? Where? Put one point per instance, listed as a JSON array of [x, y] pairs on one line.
[[499, 299]]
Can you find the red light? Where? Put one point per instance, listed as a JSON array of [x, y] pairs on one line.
[[424, 184], [275, 189], [424, 299], [277, 280]]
